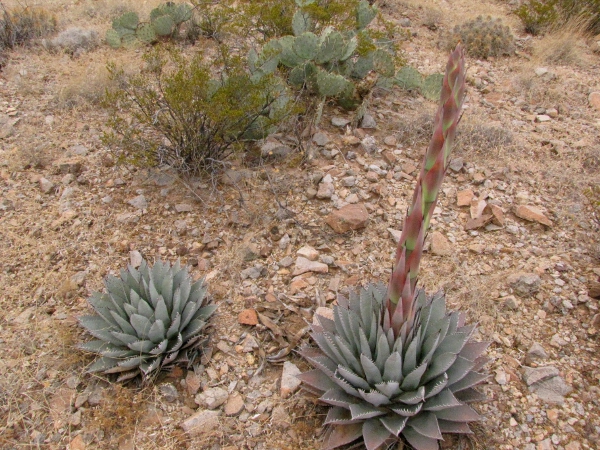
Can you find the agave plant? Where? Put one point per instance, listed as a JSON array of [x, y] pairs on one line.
[[147, 320], [394, 363]]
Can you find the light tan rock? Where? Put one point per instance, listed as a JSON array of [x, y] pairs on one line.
[[440, 245], [532, 214], [464, 197]]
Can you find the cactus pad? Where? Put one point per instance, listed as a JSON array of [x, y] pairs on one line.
[[129, 20], [331, 49], [306, 45], [330, 84], [409, 78], [163, 25], [383, 63], [432, 86], [365, 14], [146, 33], [129, 40], [113, 39], [301, 22]]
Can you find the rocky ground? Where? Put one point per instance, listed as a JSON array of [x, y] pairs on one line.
[[514, 244]]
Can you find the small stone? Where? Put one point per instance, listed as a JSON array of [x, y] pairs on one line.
[[286, 262], [535, 353], [289, 379], [280, 417], [532, 214], [135, 258], [372, 177], [476, 208], [348, 181], [183, 207], [139, 202], [202, 423], [212, 398], [46, 186], [552, 415], [546, 444], [311, 193], [308, 252], [274, 148], [538, 374], [456, 164], [248, 317], [511, 302], [552, 112], [192, 383], [464, 197], [525, 284], [395, 234], [349, 217], [501, 377], [304, 265], [542, 118], [369, 144], [440, 245], [368, 122], [252, 272], [390, 140], [325, 191], [169, 392], [594, 100], [249, 344], [320, 138], [77, 443], [573, 445], [234, 405], [339, 122], [541, 71]]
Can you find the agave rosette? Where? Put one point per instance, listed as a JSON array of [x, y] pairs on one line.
[[380, 387], [147, 320]]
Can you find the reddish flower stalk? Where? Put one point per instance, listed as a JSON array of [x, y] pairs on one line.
[[402, 287]]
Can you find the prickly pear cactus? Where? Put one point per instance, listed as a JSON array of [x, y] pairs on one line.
[[113, 39], [409, 78], [163, 25], [145, 33], [432, 86], [126, 24], [365, 14]]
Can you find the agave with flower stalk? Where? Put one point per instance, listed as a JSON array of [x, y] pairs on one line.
[[394, 363]]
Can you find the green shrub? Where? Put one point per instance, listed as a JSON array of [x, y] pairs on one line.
[[482, 38], [539, 15], [178, 112]]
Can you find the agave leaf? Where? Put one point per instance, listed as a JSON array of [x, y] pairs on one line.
[[374, 434], [412, 397], [370, 370], [352, 378], [447, 426], [160, 348], [326, 323], [98, 346], [194, 327], [429, 347], [179, 274], [413, 379], [459, 369], [410, 356], [134, 298], [102, 364], [130, 363], [144, 309], [184, 288], [107, 315], [124, 376], [374, 397], [157, 331], [469, 380], [472, 350], [462, 413], [100, 300], [362, 411], [426, 424], [327, 344], [389, 388], [337, 397], [435, 387], [383, 351], [130, 309], [124, 338], [392, 370], [342, 325], [394, 423], [205, 312], [418, 441], [170, 357], [439, 365], [143, 346], [174, 327], [116, 289], [470, 395], [197, 292], [145, 289], [157, 273], [406, 410], [162, 312], [452, 343], [317, 379], [149, 368], [154, 294], [175, 345], [366, 307], [443, 400], [98, 328], [354, 303], [166, 290], [141, 324], [188, 314], [342, 435], [338, 416], [347, 387], [364, 344], [321, 362], [480, 362]]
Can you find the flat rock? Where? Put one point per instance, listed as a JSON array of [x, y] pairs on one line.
[[135, 259], [339, 122], [183, 207], [325, 191], [320, 138], [234, 405], [139, 202], [202, 423], [46, 186], [532, 214], [304, 265], [440, 245], [532, 375], [289, 379], [274, 148], [248, 317], [395, 234], [476, 208], [456, 164], [535, 353], [524, 284], [594, 100], [308, 252], [212, 398], [464, 197], [368, 122], [349, 217]]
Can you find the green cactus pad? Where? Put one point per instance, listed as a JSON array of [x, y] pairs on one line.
[[409, 78], [365, 14], [156, 12], [163, 25], [297, 76], [146, 33], [330, 84], [301, 22], [331, 49], [306, 46], [129, 40], [349, 49], [129, 20], [288, 56], [432, 86], [303, 3], [180, 13], [113, 39], [383, 63], [362, 66]]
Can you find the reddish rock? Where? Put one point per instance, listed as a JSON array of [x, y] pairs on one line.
[[202, 423], [77, 443], [248, 317], [477, 207], [304, 265], [532, 214], [594, 100], [440, 245], [350, 217], [463, 198], [497, 214]]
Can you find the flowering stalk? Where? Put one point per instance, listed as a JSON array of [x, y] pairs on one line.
[[401, 294]]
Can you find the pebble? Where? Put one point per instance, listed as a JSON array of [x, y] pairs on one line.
[[304, 265], [594, 100], [248, 317], [183, 207], [308, 252], [212, 398], [46, 186], [139, 202], [464, 197], [349, 217], [532, 214], [524, 284], [320, 138], [202, 423], [440, 245], [535, 353], [339, 122], [368, 122], [289, 379], [135, 259], [234, 405], [325, 191]]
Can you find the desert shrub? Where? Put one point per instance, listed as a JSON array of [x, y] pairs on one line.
[[538, 16], [482, 38], [20, 25], [187, 112], [593, 195], [74, 40]]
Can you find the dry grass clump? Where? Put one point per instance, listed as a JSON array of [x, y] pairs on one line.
[[562, 45], [416, 130], [86, 88], [482, 137]]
